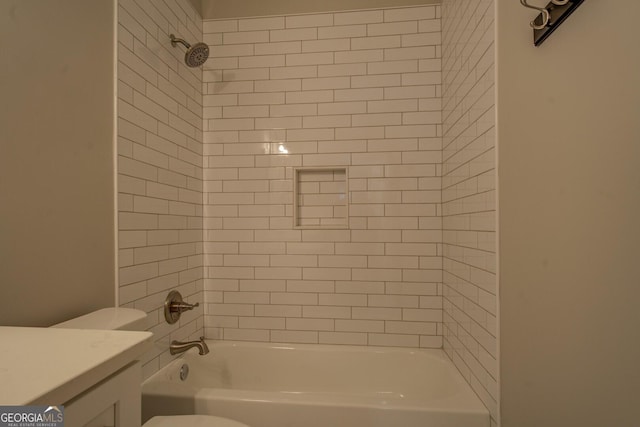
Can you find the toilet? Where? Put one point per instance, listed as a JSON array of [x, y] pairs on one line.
[[128, 319]]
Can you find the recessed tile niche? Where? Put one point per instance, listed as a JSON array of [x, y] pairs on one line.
[[320, 198]]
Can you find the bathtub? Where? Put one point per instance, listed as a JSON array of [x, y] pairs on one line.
[[293, 385]]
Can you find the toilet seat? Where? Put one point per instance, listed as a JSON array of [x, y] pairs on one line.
[[192, 421]]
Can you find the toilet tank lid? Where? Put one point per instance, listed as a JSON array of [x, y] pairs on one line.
[[192, 421], [112, 318]]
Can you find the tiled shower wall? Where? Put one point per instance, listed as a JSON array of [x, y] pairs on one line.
[[468, 194], [159, 167], [354, 90]]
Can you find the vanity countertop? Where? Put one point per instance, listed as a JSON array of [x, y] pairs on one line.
[[49, 366]]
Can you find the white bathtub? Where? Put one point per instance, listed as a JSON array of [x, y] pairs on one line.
[[292, 385]]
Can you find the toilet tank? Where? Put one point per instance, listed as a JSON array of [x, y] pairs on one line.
[[112, 318]]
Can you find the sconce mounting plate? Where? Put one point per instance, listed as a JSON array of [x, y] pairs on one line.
[[558, 14]]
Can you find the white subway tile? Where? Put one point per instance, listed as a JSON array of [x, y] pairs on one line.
[[352, 287], [310, 135], [342, 108], [360, 325], [429, 26], [359, 133], [230, 87], [342, 147], [245, 111], [365, 94], [261, 323], [405, 53], [293, 110], [246, 334], [313, 286], [342, 261], [409, 92], [377, 119], [315, 20], [259, 61], [275, 310], [410, 131], [424, 117], [212, 39], [233, 124], [304, 337], [266, 98], [277, 273], [323, 160], [294, 260], [326, 83], [355, 56], [422, 39], [278, 48], [342, 31], [397, 301], [220, 100], [291, 298], [326, 312], [231, 309], [349, 338], [432, 342], [279, 123], [342, 70], [327, 121], [410, 13], [256, 24], [393, 340], [305, 324], [326, 274], [246, 297], [430, 65], [245, 37], [392, 28], [309, 97], [377, 313], [348, 300], [364, 17], [376, 42], [413, 328], [231, 50], [394, 67], [294, 34], [422, 315], [294, 72], [219, 26], [221, 63], [328, 45], [296, 59]]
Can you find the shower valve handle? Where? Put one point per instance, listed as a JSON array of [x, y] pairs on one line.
[[181, 307], [174, 306]]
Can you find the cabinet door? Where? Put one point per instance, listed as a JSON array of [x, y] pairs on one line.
[[114, 402]]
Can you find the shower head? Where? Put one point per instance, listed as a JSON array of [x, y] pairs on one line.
[[196, 54]]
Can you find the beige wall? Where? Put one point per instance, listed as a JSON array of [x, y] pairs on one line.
[[56, 160], [217, 9], [569, 182]]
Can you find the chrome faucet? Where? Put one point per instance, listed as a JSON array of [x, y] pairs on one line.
[[178, 347]]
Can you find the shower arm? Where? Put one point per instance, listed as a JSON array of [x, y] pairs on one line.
[[175, 40]]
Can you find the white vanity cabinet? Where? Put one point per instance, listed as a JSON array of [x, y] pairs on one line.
[[93, 373], [114, 402]]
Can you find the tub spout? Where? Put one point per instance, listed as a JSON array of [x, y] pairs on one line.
[[178, 347]]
